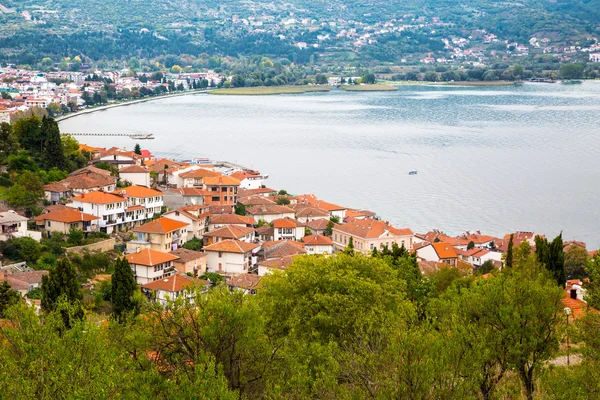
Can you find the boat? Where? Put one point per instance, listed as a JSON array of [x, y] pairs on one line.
[[413, 172], [542, 80], [571, 82], [142, 136]]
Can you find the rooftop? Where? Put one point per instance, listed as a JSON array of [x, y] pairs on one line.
[[371, 229], [175, 283], [99, 198], [230, 232], [186, 255], [244, 281], [161, 225], [232, 246], [67, 215], [139, 191], [150, 257]]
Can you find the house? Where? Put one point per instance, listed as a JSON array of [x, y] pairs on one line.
[[196, 223], [143, 203], [162, 234], [231, 257], [190, 261], [369, 234], [66, 219], [189, 196], [229, 232], [359, 214], [173, 287], [117, 157], [275, 264], [265, 233], [438, 252], [194, 178], [250, 179], [135, 175], [24, 282], [280, 248], [85, 181], [149, 265], [306, 213], [217, 221], [477, 256], [4, 115], [245, 282], [266, 192], [333, 209], [318, 244], [318, 226], [255, 200], [108, 207], [269, 213], [13, 225], [223, 190], [287, 229]]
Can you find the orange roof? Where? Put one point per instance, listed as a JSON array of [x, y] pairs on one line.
[[161, 225], [230, 232], [323, 205], [85, 147], [175, 283], [67, 215], [134, 169], [255, 200], [317, 240], [371, 229], [135, 208], [223, 180], [99, 198], [200, 173], [231, 219], [241, 175], [444, 250], [318, 224], [140, 191], [150, 257], [244, 281], [278, 263], [284, 223], [269, 210], [231, 246]]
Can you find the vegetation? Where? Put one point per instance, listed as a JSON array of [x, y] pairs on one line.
[[368, 88], [271, 90]]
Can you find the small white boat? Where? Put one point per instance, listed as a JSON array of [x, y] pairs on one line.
[[413, 172], [142, 136]]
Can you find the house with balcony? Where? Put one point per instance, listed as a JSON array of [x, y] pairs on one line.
[[196, 223], [223, 190], [65, 219], [195, 178], [161, 234], [150, 265], [110, 209], [142, 204], [231, 257], [369, 234], [229, 232], [439, 252], [250, 179], [287, 229], [13, 225], [190, 261]]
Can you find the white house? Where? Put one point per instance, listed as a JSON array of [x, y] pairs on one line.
[[149, 265], [244, 282], [369, 234], [195, 225], [142, 204], [108, 207], [13, 225], [231, 257], [118, 158], [173, 287], [438, 252], [250, 179], [477, 256], [136, 175], [287, 229], [318, 244], [269, 213], [4, 115]]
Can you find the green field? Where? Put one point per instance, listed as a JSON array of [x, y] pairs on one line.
[[269, 90], [369, 88]]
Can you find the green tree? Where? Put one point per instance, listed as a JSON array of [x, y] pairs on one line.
[[576, 261], [29, 132], [552, 256], [61, 285], [349, 250], [368, 79], [53, 151], [328, 231], [240, 209], [571, 71], [470, 245], [592, 286], [9, 144], [321, 79], [485, 268], [194, 244], [282, 201], [509, 252], [123, 290], [137, 149], [8, 297], [28, 192], [76, 236]]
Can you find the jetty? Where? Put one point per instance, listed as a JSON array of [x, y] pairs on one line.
[[137, 136]]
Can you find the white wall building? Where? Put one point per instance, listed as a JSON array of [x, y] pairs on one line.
[[231, 257]]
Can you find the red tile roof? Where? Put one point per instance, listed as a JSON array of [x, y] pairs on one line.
[[269, 210], [161, 225], [232, 246], [186, 255], [444, 250], [200, 173], [223, 180], [67, 215], [280, 263], [231, 219], [244, 281], [149, 257], [175, 283], [134, 169], [99, 198], [230, 232], [317, 240], [284, 223], [139, 192], [371, 229]]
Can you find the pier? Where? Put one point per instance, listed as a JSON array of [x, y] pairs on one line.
[[130, 135]]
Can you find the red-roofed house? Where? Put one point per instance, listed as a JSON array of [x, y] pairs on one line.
[[369, 234], [333, 209], [108, 207], [250, 179], [136, 175], [162, 234], [438, 252], [318, 244], [223, 190], [66, 219], [231, 257], [150, 265], [196, 222], [245, 282], [173, 287], [287, 229]]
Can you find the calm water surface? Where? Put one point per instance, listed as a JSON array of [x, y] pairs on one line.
[[496, 159]]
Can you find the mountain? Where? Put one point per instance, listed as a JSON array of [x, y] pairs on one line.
[[336, 30]]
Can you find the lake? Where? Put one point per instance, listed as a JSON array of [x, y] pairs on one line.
[[495, 159]]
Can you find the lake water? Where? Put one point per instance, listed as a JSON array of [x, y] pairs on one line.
[[498, 159]]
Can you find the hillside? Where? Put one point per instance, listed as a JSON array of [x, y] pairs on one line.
[[32, 29]]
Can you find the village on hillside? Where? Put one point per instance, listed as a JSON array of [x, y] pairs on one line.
[[177, 221]]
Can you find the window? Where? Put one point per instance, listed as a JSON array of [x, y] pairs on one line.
[[220, 254], [49, 224], [214, 198], [371, 246], [223, 189]]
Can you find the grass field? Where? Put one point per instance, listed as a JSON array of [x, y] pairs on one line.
[[269, 90], [369, 88], [482, 83]]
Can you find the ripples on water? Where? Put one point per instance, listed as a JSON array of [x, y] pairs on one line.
[[495, 159]]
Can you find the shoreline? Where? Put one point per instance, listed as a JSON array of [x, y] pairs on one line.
[[127, 103]]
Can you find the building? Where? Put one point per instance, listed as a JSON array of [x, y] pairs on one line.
[[190, 261], [250, 179], [143, 203], [333, 209], [280, 248], [369, 234], [318, 226], [231, 257], [275, 264], [438, 252], [318, 244], [223, 190], [66, 219], [162, 234], [149, 265], [217, 221], [173, 287], [229, 232], [135, 175], [269, 213], [245, 282], [196, 222], [23, 282], [13, 225], [78, 183], [194, 178], [306, 213], [287, 229], [108, 207], [4, 115]]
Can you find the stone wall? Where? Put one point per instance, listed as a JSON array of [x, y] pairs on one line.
[[105, 245]]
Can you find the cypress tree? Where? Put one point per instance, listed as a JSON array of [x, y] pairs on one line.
[[54, 153], [552, 255], [61, 284], [123, 289], [137, 149], [509, 252]]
